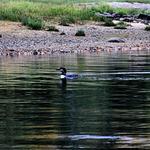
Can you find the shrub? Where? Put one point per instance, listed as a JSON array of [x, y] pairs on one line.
[[147, 28], [121, 25], [80, 33], [98, 18], [66, 20], [33, 23], [52, 28], [108, 22]]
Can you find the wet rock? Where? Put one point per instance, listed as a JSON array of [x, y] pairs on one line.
[[109, 15], [144, 17], [117, 16], [127, 19], [11, 50], [35, 52], [116, 40], [64, 51]]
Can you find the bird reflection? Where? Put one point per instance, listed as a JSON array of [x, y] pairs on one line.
[[64, 83]]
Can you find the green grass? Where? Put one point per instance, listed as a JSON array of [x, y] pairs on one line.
[[77, 1], [15, 11], [33, 23], [108, 22], [34, 12]]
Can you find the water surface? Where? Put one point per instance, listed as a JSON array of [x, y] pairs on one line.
[[107, 107]]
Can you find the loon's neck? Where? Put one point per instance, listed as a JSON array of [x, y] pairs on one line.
[[62, 76]]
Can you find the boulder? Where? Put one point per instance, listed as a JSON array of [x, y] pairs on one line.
[[144, 17], [116, 40]]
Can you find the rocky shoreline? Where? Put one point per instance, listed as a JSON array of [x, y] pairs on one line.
[[129, 5], [17, 40]]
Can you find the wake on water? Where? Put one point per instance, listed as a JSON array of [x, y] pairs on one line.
[[98, 137], [116, 76]]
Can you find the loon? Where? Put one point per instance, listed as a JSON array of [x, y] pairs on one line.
[[64, 74]]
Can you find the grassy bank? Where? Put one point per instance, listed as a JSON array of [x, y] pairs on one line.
[[78, 1], [31, 13]]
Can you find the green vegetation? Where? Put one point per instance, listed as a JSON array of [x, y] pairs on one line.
[[66, 20], [80, 33], [121, 25], [34, 13], [15, 11], [52, 28], [147, 28], [77, 1], [33, 23], [130, 11], [108, 22]]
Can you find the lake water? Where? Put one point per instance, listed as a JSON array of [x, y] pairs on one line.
[[107, 107]]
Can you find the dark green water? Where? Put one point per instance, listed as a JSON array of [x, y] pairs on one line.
[[108, 107]]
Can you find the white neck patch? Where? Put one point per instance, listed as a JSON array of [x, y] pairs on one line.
[[62, 76]]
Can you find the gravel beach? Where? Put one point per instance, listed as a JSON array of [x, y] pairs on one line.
[[17, 40]]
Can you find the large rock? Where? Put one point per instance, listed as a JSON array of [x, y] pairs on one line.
[[126, 18], [144, 17], [116, 40]]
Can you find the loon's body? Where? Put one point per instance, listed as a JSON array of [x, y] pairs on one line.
[[64, 74]]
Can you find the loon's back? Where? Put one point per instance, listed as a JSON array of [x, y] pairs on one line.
[[72, 76]]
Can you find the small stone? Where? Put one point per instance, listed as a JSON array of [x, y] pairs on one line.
[[35, 52], [62, 33]]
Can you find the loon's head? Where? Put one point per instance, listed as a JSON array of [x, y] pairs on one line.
[[64, 74], [63, 70]]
